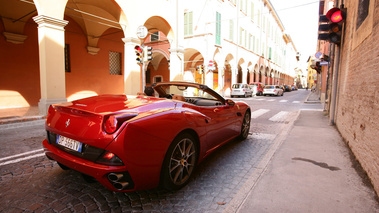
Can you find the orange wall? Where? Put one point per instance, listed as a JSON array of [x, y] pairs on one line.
[[91, 72], [19, 66]]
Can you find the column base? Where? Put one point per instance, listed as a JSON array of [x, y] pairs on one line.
[[44, 104]]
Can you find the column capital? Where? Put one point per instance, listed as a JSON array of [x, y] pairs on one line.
[[178, 50], [133, 40], [50, 22]]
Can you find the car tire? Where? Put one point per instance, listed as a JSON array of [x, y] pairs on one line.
[[179, 163], [245, 127], [63, 166]]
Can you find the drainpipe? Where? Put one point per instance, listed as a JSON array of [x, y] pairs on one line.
[[333, 97]]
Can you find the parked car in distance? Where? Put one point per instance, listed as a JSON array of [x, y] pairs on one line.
[[294, 87], [273, 90], [241, 89], [259, 88], [287, 88]]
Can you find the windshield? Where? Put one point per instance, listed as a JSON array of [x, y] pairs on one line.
[[187, 91], [269, 87]]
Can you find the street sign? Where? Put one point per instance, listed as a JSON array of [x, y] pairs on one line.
[[318, 55], [142, 32], [211, 65], [324, 63]]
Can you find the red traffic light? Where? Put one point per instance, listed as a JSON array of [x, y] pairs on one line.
[[138, 49], [335, 15]]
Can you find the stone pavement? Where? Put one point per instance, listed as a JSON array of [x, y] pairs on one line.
[[313, 170]]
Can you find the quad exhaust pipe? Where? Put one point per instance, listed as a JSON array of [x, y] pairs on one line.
[[114, 177], [116, 180]]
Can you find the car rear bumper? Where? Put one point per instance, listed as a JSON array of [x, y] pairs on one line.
[[238, 93], [98, 171]]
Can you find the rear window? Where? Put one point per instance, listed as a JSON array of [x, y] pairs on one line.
[[269, 87], [236, 86]]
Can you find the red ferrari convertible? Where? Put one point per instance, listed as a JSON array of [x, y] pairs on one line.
[[141, 143]]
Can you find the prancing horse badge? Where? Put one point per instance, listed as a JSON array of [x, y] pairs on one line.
[[67, 123]]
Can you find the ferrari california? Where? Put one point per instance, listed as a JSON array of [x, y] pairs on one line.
[[147, 141]]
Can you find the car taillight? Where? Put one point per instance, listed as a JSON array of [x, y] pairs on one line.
[[113, 122], [110, 125], [108, 158], [243, 90]]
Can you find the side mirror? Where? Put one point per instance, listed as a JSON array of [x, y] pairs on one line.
[[230, 102]]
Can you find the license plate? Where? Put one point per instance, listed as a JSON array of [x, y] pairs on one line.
[[69, 143]]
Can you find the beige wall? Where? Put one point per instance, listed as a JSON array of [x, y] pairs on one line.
[[357, 109]]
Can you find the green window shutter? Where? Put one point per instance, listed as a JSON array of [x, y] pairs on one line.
[[269, 53], [188, 20], [218, 28]]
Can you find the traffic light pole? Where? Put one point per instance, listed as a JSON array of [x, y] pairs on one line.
[[334, 84], [144, 67]]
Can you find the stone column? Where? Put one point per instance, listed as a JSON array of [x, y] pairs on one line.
[[234, 70], [51, 61], [244, 74], [176, 64], [221, 77]]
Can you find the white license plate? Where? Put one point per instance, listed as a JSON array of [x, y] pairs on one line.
[[69, 143]]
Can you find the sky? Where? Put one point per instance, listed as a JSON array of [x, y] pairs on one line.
[[300, 20]]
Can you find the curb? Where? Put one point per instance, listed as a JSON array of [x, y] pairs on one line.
[[10, 123], [307, 101]]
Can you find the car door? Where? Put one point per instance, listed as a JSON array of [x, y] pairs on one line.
[[221, 125]]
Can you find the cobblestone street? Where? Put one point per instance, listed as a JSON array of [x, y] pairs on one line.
[[40, 185]]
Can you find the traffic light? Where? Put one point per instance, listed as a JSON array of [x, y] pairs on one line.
[[139, 53], [323, 28], [333, 29], [200, 69], [336, 17], [148, 53]]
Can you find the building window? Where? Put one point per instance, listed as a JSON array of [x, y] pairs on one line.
[[269, 53], [67, 64], [158, 79], [363, 9], [188, 20], [243, 5], [154, 36], [252, 12], [218, 28], [114, 63]]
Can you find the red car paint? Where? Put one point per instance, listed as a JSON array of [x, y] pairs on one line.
[[142, 141]]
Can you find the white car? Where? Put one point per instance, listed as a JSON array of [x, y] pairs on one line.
[[272, 90], [241, 89]]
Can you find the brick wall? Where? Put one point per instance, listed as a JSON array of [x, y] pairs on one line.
[[357, 115]]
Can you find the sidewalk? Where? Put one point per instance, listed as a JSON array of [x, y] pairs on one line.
[[14, 117], [313, 98], [312, 170]]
